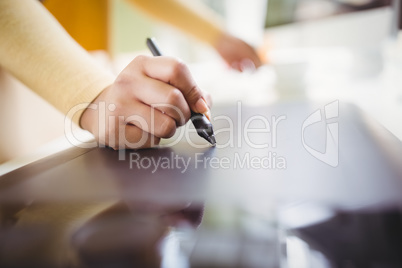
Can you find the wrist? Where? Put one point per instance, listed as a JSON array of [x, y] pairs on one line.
[[90, 114]]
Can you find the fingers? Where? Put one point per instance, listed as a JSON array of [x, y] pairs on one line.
[[252, 56], [173, 72], [247, 60], [165, 98], [151, 120], [237, 53], [129, 136], [245, 64], [137, 138]]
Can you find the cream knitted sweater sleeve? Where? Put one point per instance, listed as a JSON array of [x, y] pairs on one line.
[[38, 52], [192, 18]]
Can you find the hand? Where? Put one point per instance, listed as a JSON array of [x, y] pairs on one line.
[[150, 98], [237, 53]]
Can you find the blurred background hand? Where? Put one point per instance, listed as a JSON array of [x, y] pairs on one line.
[[237, 53]]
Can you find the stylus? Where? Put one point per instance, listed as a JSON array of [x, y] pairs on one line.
[[200, 121]]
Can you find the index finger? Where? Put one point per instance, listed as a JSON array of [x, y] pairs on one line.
[[176, 73]]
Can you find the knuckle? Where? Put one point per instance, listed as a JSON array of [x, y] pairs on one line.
[[122, 84], [125, 85], [187, 116], [168, 128], [140, 58], [194, 93], [177, 107], [103, 138], [121, 81], [178, 69], [150, 142], [155, 141], [174, 96], [110, 135]]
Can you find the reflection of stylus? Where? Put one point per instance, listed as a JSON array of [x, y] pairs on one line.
[[200, 121]]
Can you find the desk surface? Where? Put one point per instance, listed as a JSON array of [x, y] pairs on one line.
[[237, 205]]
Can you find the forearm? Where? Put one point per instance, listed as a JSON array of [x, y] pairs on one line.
[[38, 52], [194, 19]]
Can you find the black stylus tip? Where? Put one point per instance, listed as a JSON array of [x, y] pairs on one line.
[[212, 140], [203, 127]]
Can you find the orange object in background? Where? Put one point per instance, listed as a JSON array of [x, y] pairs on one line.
[[87, 21]]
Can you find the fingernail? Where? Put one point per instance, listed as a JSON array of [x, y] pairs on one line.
[[202, 107], [208, 115], [247, 65]]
